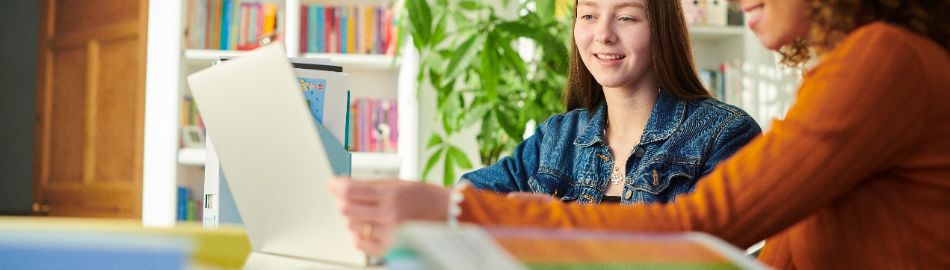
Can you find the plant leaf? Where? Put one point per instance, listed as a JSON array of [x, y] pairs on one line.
[[448, 177], [420, 17], [434, 140], [518, 28], [469, 5], [433, 159], [460, 157], [514, 59], [490, 68], [463, 56], [507, 121], [545, 9], [438, 34]]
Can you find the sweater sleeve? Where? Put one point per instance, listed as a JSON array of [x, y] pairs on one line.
[[847, 124]]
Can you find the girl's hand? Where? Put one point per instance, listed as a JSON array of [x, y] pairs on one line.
[[375, 209]]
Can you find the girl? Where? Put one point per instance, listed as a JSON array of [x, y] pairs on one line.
[[639, 128]]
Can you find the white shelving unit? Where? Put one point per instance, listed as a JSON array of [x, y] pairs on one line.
[[191, 156], [705, 33], [377, 76], [768, 88]]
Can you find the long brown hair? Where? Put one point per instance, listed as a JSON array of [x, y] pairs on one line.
[[672, 60], [832, 20]]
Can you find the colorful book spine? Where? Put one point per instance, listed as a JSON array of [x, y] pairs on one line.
[[358, 29], [351, 29], [225, 23], [235, 24], [312, 37], [321, 28], [305, 37], [253, 30], [332, 35], [245, 21], [391, 36], [355, 129], [270, 19], [215, 22], [369, 33], [344, 33], [182, 205]]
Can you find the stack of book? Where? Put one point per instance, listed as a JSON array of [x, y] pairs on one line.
[[347, 29], [187, 206], [375, 127], [231, 24], [725, 83]]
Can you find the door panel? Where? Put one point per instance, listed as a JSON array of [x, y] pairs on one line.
[[68, 100], [90, 106], [116, 145], [78, 15]]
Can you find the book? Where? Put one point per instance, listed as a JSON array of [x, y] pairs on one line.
[[234, 25], [344, 29], [182, 204], [374, 125], [214, 23], [326, 90], [226, 15], [319, 34], [197, 11], [712, 81], [305, 37], [270, 20], [369, 29], [351, 29], [437, 246], [313, 29]]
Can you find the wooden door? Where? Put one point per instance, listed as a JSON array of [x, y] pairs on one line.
[[90, 106]]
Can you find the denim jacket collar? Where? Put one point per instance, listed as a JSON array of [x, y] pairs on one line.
[[667, 115]]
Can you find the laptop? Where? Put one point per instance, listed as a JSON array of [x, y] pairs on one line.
[[271, 151]]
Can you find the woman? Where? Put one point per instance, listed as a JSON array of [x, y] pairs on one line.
[[855, 176], [639, 123]]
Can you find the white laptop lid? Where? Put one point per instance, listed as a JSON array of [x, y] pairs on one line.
[[274, 161]]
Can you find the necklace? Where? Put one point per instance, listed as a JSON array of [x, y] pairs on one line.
[[616, 175], [617, 172]]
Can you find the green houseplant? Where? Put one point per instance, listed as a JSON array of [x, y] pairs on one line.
[[469, 55]]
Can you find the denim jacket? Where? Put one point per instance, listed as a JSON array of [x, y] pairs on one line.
[[567, 156]]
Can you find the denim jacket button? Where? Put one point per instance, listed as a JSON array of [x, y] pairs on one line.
[[638, 151], [627, 194]]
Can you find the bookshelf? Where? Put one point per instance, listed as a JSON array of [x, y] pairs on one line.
[[765, 89], [371, 76], [705, 33]]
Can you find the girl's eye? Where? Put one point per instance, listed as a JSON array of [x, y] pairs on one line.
[[587, 17], [629, 19]]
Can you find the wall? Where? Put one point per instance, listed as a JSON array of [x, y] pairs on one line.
[[18, 43]]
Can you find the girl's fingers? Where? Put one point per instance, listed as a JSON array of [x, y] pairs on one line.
[[355, 191], [361, 211]]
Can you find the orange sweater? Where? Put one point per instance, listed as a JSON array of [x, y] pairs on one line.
[[856, 176]]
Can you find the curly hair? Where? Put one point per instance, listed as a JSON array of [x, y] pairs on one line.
[[832, 20]]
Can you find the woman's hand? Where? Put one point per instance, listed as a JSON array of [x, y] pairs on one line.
[[531, 196], [375, 209]]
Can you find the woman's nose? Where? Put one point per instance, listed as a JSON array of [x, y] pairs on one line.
[[604, 32]]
